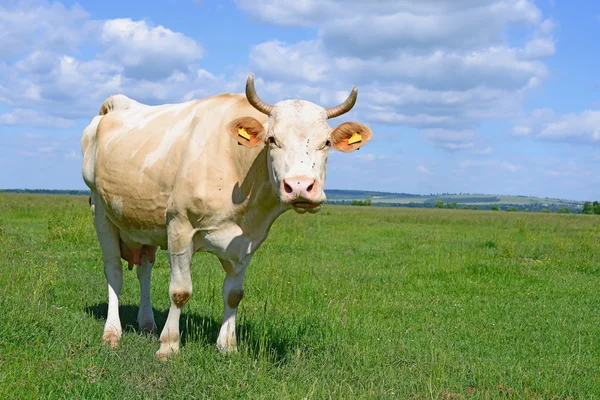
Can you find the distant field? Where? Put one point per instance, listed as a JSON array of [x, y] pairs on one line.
[[472, 199], [481, 201], [354, 302]]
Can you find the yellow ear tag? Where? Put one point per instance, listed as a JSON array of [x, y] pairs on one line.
[[356, 137], [242, 132]]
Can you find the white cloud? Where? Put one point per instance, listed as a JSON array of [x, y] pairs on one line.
[[52, 78], [497, 67], [291, 13], [21, 116], [450, 140], [38, 62], [369, 157], [34, 25], [42, 145], [419, 120], [463, 12], [509, 167], [147, 52], [304, 60], [505, 165], [424, 170], [520, 130], [493, 67], [408, 27], [539, 48], [482, 151], [569, 169], [545, 124]]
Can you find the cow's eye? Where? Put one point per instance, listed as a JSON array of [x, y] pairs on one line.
[[327, 144], [272, 140]]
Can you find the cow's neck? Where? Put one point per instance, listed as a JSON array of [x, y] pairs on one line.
[[263, 205]]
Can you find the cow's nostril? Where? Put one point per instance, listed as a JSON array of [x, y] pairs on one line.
[[310, 188], [287, 188]]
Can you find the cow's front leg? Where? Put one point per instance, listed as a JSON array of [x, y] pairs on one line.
[[180, 288], [233, 293]]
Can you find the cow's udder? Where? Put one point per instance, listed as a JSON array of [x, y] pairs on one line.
[[134, 256]]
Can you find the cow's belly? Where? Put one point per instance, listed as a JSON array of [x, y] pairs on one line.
[[135, 238], [141, 220]]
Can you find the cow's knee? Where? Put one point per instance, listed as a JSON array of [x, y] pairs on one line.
[[180, 297], [234, 297]]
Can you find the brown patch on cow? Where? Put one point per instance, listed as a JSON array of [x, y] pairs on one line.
[[180, 298], [234, 297], [341, 134]]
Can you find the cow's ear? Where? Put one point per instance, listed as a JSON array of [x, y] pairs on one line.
[[350, 136], [247, 131]]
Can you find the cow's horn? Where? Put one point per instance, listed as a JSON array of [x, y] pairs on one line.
[[343, 108], [254, 99]]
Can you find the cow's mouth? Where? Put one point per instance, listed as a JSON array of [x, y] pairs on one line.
[[304, 206]]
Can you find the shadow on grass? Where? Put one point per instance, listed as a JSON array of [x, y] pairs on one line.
[[196, 328]]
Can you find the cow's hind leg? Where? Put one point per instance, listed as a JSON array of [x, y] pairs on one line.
[[108, 236], [233, 293], [146, 314]]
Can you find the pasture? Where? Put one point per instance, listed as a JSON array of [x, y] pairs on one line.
[[353, 302]]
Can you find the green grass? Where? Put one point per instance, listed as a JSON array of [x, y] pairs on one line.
[[354, 302]]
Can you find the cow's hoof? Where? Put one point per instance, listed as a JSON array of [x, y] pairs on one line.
[[168, 348], [164, 354], [148, 327], [227, 349], [111, 338]]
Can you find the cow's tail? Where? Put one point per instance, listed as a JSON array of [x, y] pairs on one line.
[[117, 102]]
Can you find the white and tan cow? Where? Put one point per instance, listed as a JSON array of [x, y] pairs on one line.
[[207, 175]]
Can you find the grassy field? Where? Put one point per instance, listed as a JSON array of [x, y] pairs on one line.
[[362, 302]]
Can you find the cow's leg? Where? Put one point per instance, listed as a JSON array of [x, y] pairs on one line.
[[233, 293], [180, 285], [108, 236], [145, 313]]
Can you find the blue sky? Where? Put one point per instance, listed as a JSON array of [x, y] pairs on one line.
[[477, 96]]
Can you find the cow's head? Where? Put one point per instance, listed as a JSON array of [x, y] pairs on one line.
[[298, 138]]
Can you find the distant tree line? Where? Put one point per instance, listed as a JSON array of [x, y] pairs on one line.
[[591, 208], [365, 202], [48, 191], [534, 207]]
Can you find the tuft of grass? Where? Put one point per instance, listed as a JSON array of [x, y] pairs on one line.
[[353, 302]]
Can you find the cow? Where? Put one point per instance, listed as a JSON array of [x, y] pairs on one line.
[[208, 175]]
